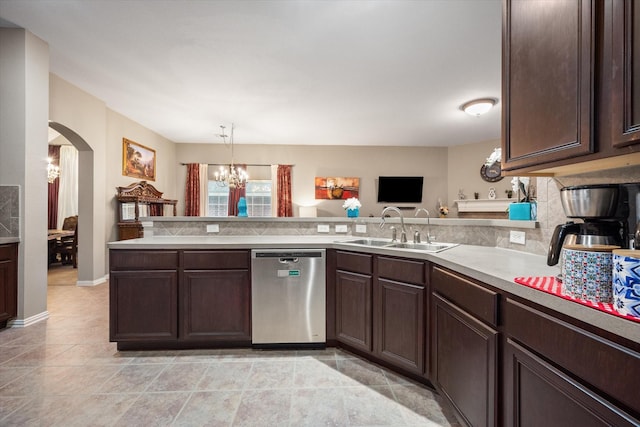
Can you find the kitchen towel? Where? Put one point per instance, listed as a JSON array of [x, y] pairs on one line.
[[551, 285]]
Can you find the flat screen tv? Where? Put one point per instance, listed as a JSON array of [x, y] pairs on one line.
[[400, 189]]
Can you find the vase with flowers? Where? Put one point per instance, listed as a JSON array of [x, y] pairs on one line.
[[352, 206]]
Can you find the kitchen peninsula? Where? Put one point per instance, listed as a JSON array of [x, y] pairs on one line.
[[454, 319]]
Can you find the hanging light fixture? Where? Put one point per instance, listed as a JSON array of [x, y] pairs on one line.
[[230, 176], [53, 171], [477, 107]]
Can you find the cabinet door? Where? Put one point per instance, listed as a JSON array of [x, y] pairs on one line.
[[215, 305], [625, 90], [8, 283], [464, 360], [353, 310], [548, 81], [399, 320], [143, 305], [538, 394]]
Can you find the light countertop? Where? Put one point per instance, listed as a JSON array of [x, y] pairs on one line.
[[4, 240], [494, 266]]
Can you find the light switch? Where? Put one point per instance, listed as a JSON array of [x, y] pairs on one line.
[[341, 228], [323, 228], [213, 228], [361, 228]]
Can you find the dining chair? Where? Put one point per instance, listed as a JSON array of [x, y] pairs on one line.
[[68, 249]]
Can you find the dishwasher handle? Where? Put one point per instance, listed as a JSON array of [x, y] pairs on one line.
[[285, 260]]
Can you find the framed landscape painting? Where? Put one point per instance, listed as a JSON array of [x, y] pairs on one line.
[[138, 161]]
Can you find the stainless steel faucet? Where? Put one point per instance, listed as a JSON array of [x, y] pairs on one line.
[[428, 223], [403, 231]]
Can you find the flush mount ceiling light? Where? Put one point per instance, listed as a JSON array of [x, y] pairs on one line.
[[478, 107]]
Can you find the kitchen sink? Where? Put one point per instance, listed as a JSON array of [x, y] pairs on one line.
[[388, 244], [369, 242], [427, 247]]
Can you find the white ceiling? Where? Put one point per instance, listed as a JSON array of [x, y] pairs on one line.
[[344, 72]]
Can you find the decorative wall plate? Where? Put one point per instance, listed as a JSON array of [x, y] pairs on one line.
[[491, 173]]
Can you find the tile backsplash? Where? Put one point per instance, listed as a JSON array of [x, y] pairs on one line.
[[9, 211], [549, 208]]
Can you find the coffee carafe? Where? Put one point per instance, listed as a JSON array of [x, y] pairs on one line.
[[603, 209]]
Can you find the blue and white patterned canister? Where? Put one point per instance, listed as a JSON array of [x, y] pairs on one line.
[[587, 272], [626, 282]]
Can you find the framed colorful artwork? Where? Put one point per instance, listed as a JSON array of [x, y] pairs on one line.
[[336, 188], [138, 161]]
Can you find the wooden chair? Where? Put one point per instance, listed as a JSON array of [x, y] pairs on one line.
[[70, 223], [68, 250]]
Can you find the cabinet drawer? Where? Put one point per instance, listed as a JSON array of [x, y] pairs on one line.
[[8, 251], [216, 260], [402, 270], [605, 365], [352, 261], [477, 300], [142, 260]]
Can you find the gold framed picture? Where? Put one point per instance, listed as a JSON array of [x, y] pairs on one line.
[[138, 161]]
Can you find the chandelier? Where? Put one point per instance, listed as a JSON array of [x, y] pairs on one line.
[[230, 176], [53, 171]]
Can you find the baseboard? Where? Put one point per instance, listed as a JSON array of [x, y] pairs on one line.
[[91, 282], [23, 323]]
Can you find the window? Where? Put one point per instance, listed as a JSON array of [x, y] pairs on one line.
[[258, 196], [218, 199]]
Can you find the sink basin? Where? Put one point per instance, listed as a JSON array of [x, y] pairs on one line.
[[369, 242], [427, 247]]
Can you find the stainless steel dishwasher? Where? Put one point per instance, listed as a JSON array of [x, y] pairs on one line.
[[288, 298]]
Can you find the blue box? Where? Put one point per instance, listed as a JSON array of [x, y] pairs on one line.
[[520, 211]]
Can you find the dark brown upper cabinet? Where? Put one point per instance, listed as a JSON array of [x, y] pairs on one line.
[[548, 81], [625, 73]]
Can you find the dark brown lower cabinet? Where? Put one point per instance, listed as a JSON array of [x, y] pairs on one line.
[[143, 305], [573, 376], [215, 305], [399, 312], [539, 394], [353, 310], [380, 308], [8, 283], [180, 298], [401, 325], [464, 357]]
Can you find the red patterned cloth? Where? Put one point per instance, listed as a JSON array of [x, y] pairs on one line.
[[552, 286]]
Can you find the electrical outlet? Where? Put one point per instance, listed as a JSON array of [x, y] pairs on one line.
[[213, 228], [517, 237], [341, 228], [361, 228], [323, 228]]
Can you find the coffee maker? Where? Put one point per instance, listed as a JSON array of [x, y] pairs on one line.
[[604, 210]]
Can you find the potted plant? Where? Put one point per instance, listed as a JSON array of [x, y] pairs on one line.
[[352, 206]]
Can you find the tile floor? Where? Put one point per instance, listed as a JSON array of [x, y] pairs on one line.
[[65, 372]]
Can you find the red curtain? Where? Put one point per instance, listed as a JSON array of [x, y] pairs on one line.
[[54, 154], [285, 207], [192, 191], [235, 194]]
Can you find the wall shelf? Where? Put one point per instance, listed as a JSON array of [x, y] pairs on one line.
[[483, 208]]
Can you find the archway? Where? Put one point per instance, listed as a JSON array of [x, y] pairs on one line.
[[85, 201]]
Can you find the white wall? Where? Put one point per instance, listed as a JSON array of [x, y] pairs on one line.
[[367, 163], [463, 172], [85, 115], [24, 67], [118, 127]]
